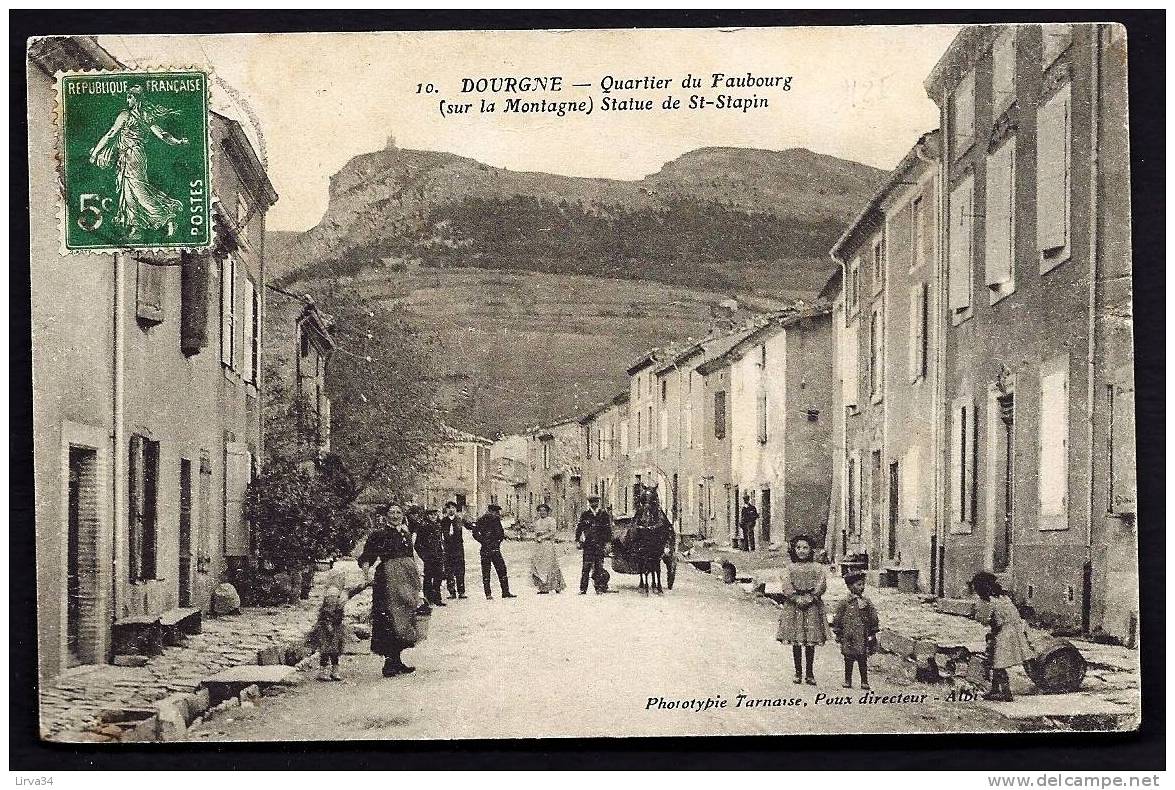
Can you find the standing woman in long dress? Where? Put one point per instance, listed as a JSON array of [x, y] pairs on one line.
[[544, 564], [803, 622], [395, 590]]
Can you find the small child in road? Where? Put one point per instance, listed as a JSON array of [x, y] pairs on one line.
[[328, 633], [855, 624]]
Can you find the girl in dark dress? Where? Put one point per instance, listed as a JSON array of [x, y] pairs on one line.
[[395, 590]]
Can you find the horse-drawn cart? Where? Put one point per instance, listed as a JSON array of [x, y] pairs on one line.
[[638, 549]]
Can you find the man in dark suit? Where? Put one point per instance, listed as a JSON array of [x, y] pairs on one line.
[[593, 534], [431, 553], [747, 520], [489, 533], [453, 537]]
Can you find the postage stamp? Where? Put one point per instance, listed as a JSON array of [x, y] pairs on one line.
[[134, 146]]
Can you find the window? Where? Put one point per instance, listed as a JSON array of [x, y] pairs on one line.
[[1003, 71], [919, 330], [878, 258], [1053, 474], [850, 366], [1054, 39], [150, 284], [228, 297], [599, 444], [963, 460], [917, 232], [1053, 179], [720, 414], [252, 334], [761, 408], [638, 428], [143, 491], [664, 389], [876, 354], [587, 435], [1121, 448], [649, 426], [1000, 222], [963, 116], [546, 456], [961, 241], [854, 287]]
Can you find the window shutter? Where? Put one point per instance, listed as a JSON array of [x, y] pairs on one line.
[[1122, 450], [1003, 77], [664, 429], [255, 322], [850, 358], [762, 417], [227, 301], [1053, 477], [915, 319], [150, 509], [999, 217], [151, 282], [720, 414], [911, 504], [1052, 175], [193, 303], [236, 478], [960, 245], [248, 347]]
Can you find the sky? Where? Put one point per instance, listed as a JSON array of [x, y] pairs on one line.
[[314, 101]]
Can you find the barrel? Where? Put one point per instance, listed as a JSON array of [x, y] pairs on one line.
[[1058, 666]]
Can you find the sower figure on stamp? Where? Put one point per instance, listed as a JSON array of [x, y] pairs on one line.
[[453, 539], [489, 533], [593, 534]]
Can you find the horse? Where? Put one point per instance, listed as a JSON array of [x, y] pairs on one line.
[[653, 545]]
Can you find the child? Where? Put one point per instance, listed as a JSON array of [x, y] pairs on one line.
[[1007, 641], [856, 625], [328, 634], [803, 621]]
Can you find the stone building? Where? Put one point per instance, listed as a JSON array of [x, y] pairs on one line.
[[779, 392], [461, 475], [1037, 342], [299, 343], [554, 460], [887, 340], [146, 416]]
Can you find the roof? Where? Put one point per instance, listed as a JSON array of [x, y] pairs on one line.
[[456, 435], [958, 59], [246, 161], [777, 324], [70, 53], [833, 286], [926, 149]]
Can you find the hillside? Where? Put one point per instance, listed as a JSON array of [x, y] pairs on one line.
[[543, 287]]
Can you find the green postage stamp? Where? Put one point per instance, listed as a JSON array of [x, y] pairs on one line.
[[135, 160]]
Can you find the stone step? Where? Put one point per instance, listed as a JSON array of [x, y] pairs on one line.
[[229, 682]]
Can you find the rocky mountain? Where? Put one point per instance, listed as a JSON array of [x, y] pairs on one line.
[[542, 287]]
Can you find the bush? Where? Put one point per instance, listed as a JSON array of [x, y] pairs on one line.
[[303, 513]]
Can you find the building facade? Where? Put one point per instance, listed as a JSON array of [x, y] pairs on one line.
[[462, 475], [147, 420], [298, 346], [886, 369], [1038, 386]]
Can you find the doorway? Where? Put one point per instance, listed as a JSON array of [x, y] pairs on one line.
[[81, 572], [1005, 455], [892, 537], [185, 534], [765, 516], [875, 488]]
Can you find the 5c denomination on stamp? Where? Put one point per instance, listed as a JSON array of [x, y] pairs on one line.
[[135, 155]]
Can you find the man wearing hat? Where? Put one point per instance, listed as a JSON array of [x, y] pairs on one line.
[[453, 539], [431, 553], [489, 533], [593, 534]]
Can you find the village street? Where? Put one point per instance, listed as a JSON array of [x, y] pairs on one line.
[[569, 665]]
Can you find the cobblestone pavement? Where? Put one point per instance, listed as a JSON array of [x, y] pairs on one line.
[[73, 700], [569, 665]]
